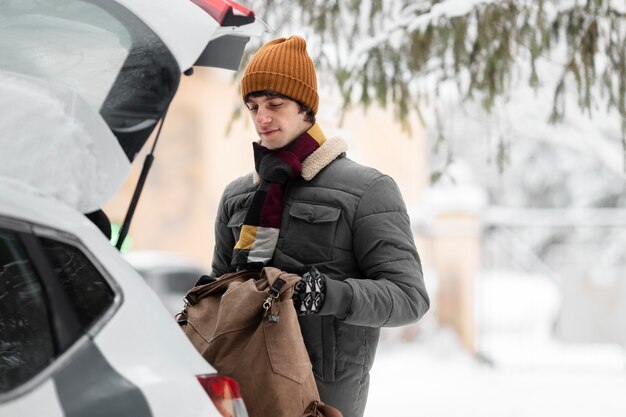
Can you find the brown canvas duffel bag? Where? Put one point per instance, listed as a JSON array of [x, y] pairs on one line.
[[245, 325]]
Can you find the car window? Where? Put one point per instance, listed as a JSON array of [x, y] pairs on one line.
[[98, 49], [68, 42], [88, 292], [26, 340]]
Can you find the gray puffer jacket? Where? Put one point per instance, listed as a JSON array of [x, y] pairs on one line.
[[350, 222]]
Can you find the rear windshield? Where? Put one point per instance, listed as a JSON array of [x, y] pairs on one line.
[[98, 49]]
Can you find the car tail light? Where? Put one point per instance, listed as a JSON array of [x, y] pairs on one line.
[[226, 12], [224, 392]]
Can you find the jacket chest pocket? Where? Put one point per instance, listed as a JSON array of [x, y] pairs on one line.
[[310, 235]]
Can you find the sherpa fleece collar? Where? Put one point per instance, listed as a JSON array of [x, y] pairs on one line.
[[319, 159]]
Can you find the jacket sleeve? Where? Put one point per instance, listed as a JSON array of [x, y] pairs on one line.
[[224, 242], [392, 291]]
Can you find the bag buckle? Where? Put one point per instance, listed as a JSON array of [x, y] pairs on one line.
[[273, 293]]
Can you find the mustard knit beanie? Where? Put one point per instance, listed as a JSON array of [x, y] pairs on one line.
[[283, 65]]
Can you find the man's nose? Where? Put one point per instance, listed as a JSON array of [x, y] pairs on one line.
[[263, 117]]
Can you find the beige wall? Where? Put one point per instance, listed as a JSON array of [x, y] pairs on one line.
[[195, 159], [456, 254]]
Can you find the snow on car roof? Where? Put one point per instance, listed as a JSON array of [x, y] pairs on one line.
[[58, 144]]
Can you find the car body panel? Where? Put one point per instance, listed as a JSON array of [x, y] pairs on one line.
[[138, 325], [42, 401], [88, 386], [184, 27]]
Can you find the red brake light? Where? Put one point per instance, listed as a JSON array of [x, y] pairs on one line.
[[226, 12], [225, 394]]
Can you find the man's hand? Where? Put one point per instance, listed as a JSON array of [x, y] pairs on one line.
[[309, 292]]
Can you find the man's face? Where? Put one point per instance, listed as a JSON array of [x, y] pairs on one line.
[[278, 121]]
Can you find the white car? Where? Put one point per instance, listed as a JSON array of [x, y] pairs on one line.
[[82, 86]]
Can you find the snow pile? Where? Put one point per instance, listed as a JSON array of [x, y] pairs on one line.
[[521, 370], [54, 142], [503, 301]]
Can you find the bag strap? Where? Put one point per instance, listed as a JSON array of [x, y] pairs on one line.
[[270, 274], [279, 284], [220, 285], [273, 275]]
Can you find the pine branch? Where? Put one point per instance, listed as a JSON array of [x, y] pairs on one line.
[[400, 53]]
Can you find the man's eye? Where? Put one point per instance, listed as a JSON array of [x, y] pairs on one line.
[[276, 104], [252, 108]]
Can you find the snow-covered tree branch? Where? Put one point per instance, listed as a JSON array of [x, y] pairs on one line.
[[404, 53]]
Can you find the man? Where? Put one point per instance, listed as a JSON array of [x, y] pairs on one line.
[[310, 210]]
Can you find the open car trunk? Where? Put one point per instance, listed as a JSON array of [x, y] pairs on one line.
[[118, 61]]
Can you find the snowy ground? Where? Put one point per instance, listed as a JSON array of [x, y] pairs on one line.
[[433, 376], [523, 370]]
